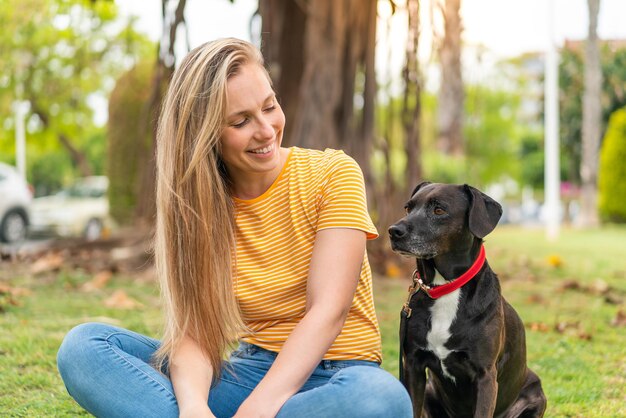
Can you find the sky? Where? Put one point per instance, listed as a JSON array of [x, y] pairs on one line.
[[506, 27], [499, 28]]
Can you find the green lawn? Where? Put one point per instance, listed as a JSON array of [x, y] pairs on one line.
[[567, 293]]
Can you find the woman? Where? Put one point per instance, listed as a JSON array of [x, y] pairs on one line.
[[254, 242]]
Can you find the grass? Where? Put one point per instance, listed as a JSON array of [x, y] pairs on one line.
[[567, 293]]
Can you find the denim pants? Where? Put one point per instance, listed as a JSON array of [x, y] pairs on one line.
[[106, 370]]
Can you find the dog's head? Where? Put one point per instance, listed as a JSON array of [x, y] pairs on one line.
[[442, 217]]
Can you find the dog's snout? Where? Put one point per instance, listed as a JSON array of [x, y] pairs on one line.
[[397, 231]]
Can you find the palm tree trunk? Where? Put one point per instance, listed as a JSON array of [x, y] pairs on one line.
[[592, 116], [451, 91]]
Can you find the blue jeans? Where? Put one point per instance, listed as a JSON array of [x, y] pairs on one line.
[[106, 370]]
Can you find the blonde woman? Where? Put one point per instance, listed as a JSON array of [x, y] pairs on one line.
[[255, 243]]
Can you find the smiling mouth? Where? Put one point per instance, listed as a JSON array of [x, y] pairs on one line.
[[264, 150]]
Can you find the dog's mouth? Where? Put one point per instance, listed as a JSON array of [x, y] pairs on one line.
[[404, 253], [413, 253]]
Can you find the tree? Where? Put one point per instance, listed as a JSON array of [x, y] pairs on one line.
[[321, 55], [60, 56], [592, 114], [133, 188], [396, 158], [612, 174], [571, 88], [411, 104], [451, 91], [130, 144]]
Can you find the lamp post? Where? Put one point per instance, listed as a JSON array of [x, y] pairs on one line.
[[20, 108], [551, 132]]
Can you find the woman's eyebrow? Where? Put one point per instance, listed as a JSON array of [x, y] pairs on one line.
[[242, 112]]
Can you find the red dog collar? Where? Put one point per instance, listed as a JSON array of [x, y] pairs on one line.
[[435, 292]]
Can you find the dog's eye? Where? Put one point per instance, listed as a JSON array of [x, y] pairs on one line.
[[406, 210], [439, 211]]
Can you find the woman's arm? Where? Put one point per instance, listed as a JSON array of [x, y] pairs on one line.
[[191, 374], [333, 277]]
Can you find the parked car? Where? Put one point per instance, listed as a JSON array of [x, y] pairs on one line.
[[15, 199], [81, 210]]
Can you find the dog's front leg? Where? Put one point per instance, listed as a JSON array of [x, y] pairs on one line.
[[487, 392], [415, 382]]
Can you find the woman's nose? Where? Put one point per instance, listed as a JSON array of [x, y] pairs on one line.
[[264, 130]]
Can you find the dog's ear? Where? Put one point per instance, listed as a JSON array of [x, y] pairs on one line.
[[419, 186], [484, 212]]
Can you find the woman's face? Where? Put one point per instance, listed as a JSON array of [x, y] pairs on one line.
[[254, 126]]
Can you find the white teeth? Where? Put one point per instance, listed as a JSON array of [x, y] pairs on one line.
[[262, 150]]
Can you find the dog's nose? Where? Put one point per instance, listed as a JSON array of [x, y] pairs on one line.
[[397, 231]]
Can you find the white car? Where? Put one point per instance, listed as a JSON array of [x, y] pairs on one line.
[[15, 198], [81, 210]]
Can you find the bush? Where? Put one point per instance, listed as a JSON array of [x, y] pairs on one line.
[[612, 171], [126, 148]]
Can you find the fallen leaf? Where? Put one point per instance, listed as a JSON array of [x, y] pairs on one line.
[[49, 262], [599, 287], [5, 289], [392, 270], [120, 300], [538, 326], [570, 285], [613, 299], [98, 282], [620, 319], [535, 298], [554, 260], [7, 300], [563, 326]]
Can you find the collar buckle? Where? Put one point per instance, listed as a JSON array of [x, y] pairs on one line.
[[420, 285], [415, 287]]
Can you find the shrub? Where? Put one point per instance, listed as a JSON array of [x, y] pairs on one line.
[[126, 148], [612, 170]]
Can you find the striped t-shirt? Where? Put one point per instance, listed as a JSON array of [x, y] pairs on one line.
[[275, 235]]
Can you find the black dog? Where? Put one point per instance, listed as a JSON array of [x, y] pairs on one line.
[[456, 323]]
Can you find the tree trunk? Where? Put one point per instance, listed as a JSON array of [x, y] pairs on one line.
[[451, 92], [282, 28], [592, 115], [78, 157], [412, 95], [363, 150], [314, 51]]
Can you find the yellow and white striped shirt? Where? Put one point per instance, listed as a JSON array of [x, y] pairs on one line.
[[275, 235]]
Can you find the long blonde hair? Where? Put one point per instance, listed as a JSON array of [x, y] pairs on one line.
[[195, 238]]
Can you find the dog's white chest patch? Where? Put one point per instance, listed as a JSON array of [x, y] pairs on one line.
[[442, 315]]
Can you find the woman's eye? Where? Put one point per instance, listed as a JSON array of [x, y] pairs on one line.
[[270, 108], [439, 211], [240, 124]]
